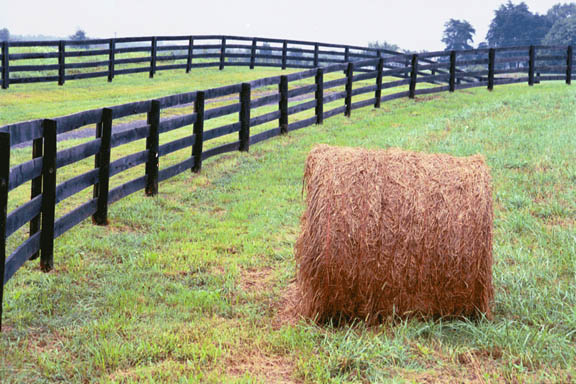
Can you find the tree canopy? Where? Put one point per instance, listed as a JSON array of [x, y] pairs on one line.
[[458, 34], [383, 45], [516, 25], [79, 35], [563, 32], [561, 11]]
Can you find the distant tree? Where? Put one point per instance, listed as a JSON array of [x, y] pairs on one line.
[[458, 34], [383, 45], [516, 25], [563, 32], [79, 35], [265, 50], [4, 34], [561, 11]]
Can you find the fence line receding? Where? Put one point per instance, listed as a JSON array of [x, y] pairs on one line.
[[297, 100]]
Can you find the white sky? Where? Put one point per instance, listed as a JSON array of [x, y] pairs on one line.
[[415, 25]]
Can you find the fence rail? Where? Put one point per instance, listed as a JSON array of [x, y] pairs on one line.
[[26, 62], [366, 78]]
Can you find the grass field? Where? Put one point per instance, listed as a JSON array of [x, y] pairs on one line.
[[192, 285]]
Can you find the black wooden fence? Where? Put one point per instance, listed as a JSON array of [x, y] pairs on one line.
[[25, 62], [289, 98]]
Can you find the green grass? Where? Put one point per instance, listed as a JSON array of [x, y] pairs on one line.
[[190, 286]]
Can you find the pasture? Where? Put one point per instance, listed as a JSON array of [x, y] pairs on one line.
[[192, 285]]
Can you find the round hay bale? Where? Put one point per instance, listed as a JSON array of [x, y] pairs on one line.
[[394, 233]]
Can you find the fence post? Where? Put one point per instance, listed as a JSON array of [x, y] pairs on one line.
[[316, 51], [319, 95], [378, 93], [153, 49], [190, 54], [283, 104], [253, 54], [48, 195], [491, 66], [569, 65], [61, 62], [531, 64], [36, 189], [244, 133], [452, 81], [111, 59], [348, 99], [152, 142], [284, 54], [102, 163], [413, 77], [4, 181], [198, 131], [5, 65], [223, 53]]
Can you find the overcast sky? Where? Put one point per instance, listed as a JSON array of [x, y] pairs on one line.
[[414, 25]]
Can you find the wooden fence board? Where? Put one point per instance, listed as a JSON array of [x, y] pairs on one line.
[[130, 135], [176, 145], [80, 152], [127, 162], [25, 172], [221, 149], [176, 169], [20, 255], [74, 217], [126, 189], [76, 184], [265, 135], [23, 214], [302, 124], [301, 107], [265, 118]]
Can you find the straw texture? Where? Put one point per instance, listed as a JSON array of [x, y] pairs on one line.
[[392, 232]]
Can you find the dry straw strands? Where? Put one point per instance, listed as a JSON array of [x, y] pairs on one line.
[[392, 232]]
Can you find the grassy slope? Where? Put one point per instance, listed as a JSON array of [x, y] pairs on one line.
[[25, 102], [190, 285]]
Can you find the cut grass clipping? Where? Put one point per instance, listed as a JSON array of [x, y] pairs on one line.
[[394, 233]]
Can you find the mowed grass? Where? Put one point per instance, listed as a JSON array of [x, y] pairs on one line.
[[22, 102], [191, 285]]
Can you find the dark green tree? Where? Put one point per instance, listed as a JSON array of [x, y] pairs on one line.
[[4, 34], [79, 35], [563, 32], [458, 34], [384, 45], [516, 25], [561, 11]]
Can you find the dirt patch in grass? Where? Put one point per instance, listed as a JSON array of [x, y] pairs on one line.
[[257, 279], [286, 311], [564, 222], [250, 360], [479, 366], [266, 367]]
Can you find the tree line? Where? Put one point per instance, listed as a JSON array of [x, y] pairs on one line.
[[512, 25], [515, 25], [5, 35]]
